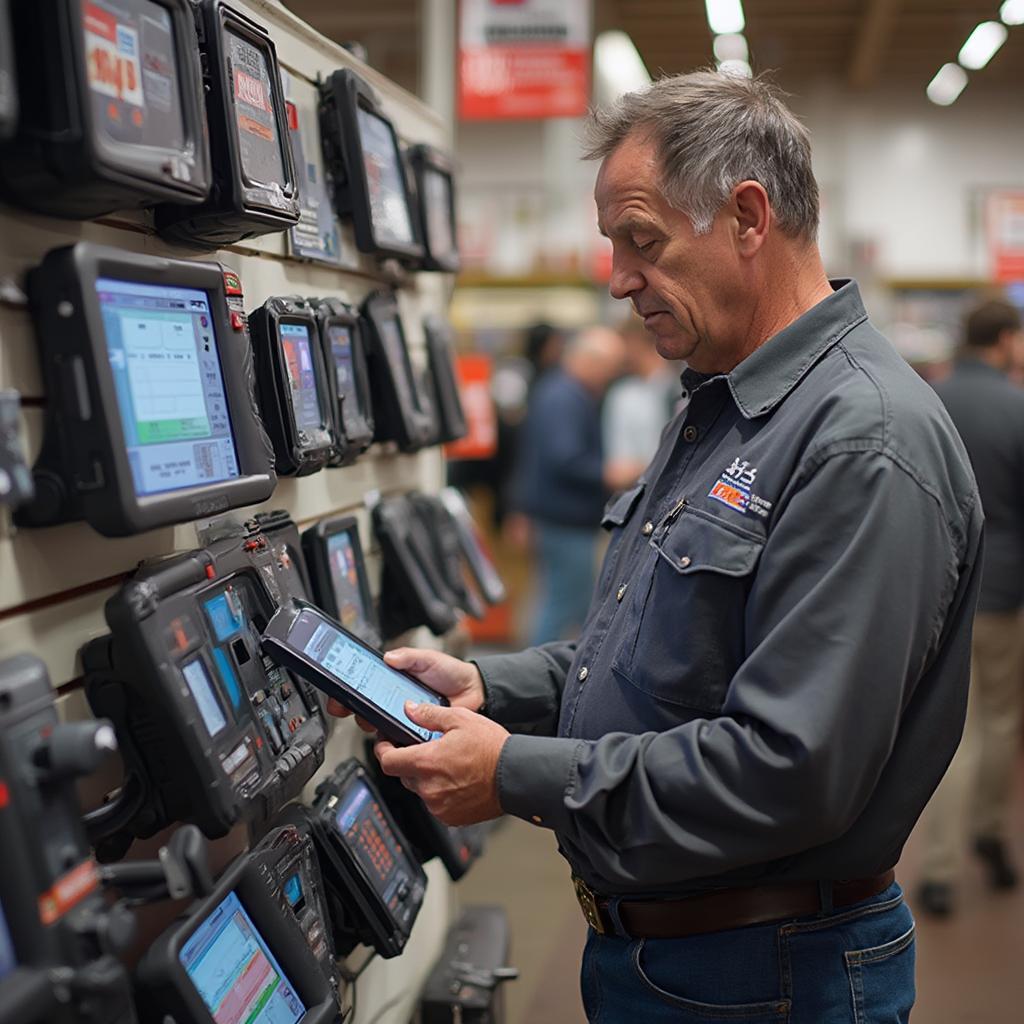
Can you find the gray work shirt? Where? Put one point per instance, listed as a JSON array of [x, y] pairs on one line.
[[773, 673], [988, 410]]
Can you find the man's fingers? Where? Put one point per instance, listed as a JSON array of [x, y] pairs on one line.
[[436, 717], [337, 709], [411, 659]]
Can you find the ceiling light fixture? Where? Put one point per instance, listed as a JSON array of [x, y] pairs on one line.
[[725, 16], [1012, 12], [736, 67], [981, 44], [731, 46], [618, 67], [944, 88]]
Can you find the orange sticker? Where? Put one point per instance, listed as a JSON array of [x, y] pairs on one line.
[[67, 891]]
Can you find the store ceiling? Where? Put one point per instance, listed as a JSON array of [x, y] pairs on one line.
[[860, 43]]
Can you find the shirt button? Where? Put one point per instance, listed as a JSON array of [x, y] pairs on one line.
[[690, 434], [648, 528], [582, 674], [684, 561], [621, 592]]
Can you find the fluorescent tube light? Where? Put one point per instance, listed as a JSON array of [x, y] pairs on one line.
[[725, 16], [981, 44], [1012, 12], [618, 67], [944, 88], [731, 46], [736, 67]]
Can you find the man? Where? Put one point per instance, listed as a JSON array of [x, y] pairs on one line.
[[637, 408], [773, 672], [558, 479], [973, 800]]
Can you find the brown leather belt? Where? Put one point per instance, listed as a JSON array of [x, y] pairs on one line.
[[722, 909]]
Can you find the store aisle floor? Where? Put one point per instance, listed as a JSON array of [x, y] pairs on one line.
[[968, 966]]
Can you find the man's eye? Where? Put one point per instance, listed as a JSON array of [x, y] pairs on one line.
[[646, 246]]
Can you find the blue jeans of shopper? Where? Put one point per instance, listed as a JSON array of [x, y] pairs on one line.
[[566, 557], [854, 966]]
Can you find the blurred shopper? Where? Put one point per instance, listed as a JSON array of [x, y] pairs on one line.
[[637, 408], [559, 483], [773, 673], [973, 801]]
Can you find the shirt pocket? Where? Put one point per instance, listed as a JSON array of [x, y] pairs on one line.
[[683, 632]]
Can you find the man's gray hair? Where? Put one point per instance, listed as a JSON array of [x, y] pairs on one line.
[[712, 131]]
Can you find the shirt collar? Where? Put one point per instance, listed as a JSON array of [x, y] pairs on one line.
[[770, 372], [968, 361]]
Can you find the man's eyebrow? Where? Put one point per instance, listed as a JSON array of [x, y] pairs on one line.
[[630, 223]]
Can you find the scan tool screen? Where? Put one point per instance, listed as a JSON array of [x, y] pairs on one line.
[[170, 392], [345, 582], [438, 201], [298, 358], [8, 961], [132, 67], [255, 119], [364, 671], [340, 338], [398, 357], [389, 206], [235, 973], [201, 687]]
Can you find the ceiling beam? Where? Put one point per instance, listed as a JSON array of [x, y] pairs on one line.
[[873, 36]]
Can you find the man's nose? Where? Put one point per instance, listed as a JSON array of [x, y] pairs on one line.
[[625, 279]]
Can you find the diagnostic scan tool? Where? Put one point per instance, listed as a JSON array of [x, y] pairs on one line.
[[8, 75], [443, 535], [413, 591], [211, 731], [445, 386], [435, 207], [58, 935], [455, 847], [344, 348], [398, 408], [111, 107], [15, 476], [374, 884], [364, 168], [294, 393], [286, 858], [320, 650], [150, 416], [254, 185], [334, 558], [479, 561], [239, 954]]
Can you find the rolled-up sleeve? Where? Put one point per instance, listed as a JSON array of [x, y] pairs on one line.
[[845, 611]]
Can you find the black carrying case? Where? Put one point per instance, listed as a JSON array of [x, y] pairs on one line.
[[465, 983]]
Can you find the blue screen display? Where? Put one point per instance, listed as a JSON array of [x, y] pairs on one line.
[[234, 972], [8, 961], [226, 615]]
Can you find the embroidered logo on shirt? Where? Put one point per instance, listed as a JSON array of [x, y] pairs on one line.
[[734, 489]]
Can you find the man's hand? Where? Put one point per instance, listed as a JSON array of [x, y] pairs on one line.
[[457, 680], [456, 775]]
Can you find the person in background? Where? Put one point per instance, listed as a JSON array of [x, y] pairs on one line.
[[972, 802], [559, 482], [637, 408], [543, 349]]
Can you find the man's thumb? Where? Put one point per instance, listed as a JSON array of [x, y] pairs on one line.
[[431, 716]]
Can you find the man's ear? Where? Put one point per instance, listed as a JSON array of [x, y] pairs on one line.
[[753, 213]]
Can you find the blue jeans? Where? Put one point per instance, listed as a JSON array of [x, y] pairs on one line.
[[566, 557], [854, 966]]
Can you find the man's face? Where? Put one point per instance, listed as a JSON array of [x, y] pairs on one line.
[[688, 288]]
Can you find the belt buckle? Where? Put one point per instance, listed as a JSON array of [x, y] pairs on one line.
[[588, 904]]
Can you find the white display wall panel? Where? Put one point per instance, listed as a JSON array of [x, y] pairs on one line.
[[54, 582]]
